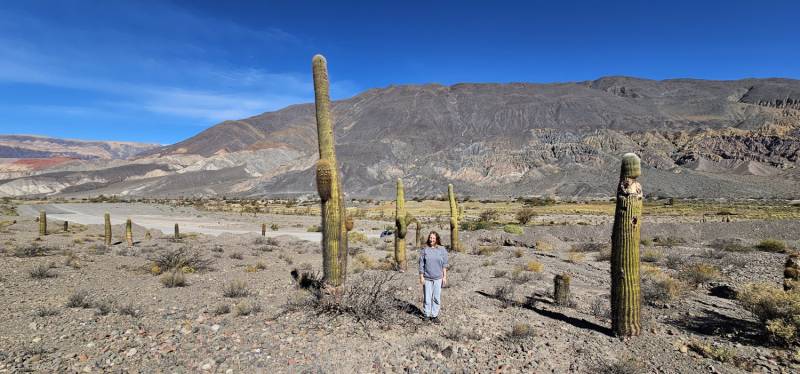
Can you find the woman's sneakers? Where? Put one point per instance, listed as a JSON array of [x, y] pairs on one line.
[[436, 320]]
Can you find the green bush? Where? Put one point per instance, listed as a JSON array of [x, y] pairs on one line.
[[356, 237], [771, 245], [315, 229], [775, 308], [513, 229], [699, 274]]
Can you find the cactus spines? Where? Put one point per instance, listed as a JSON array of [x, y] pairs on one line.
[[264, 229], [626, 302], [349, 224], [400, 233], [129, 232], [42, 223], [108, 228], [177, 231], [66, 226], [561, 289], [329, 184], [453, 219]]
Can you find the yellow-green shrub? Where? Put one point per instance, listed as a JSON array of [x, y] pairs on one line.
[[534, 266], [777, 309]]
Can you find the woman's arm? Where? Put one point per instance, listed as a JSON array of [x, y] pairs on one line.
[[444, 276]]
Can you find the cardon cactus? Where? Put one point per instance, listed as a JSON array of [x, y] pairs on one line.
[[42, 223], [454, 244], [66, 226], [791, 272], [626, 298], [415, 221], [177, 231], [129, 232], [561, 289], [400, 229], [329, 184], [460, 212], [108, 228], [264, 229]]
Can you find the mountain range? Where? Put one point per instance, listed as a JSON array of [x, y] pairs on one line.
[[695, 137]]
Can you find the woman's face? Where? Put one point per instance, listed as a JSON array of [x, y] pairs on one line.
[[432, 240]]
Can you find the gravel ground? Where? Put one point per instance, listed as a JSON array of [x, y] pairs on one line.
[[153, 329]]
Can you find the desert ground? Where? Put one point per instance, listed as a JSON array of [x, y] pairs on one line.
[[73, 305]]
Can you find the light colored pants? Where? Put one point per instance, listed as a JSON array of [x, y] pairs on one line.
[[433, 291]]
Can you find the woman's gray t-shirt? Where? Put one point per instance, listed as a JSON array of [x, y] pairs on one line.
[[432, 261]]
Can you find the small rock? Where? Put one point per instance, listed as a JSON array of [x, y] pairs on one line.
[[32, 325], [206, 366], [215, 328], [683, 349], [131, 352]]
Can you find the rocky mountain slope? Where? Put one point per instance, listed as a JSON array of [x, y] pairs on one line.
[[696, 137], [34, 146]]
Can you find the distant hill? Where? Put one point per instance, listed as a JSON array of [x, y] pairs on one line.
[[34, 146], [696, 137]]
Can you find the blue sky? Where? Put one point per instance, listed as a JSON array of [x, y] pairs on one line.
[[162, 71]]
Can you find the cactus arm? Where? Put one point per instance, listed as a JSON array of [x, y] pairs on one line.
[[625, 292], [329, 185]]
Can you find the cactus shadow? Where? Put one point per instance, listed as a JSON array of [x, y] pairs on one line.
[[530, 304], [717, 324]]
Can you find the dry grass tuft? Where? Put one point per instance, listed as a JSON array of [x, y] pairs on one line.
[[535, 266], [771, 245], [78, 299], [172, 279], [575, 257], [652, 255], [699, 274], [42, 271], [235, 289]]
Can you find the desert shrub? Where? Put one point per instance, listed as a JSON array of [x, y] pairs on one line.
[[505, 294], [42, 271], [236, 256], [587, 247], [525, 215], [47, 311], [575, 257], [274, 227], [771, 245], [675, 261], [604, 254], [103, 306], [625, 364], [730, 245], [699, 274], [175, 278], [518, 253], [251, 269], [486, 251], [222, 308], [245, 308], [722, 355], [182, 258], [304, 266], [76, 240], [490, 214], [652, 255], [363, 262], [646, 269], [356, 237], [544, 247], [601, 308], [286, 257], [33, 250], [775, 308], [661, 288], [315, 229], [78, 299], [668, 242], [535, 266], [521, 331], [235, 289], [520, 276], [261, 265], [646, 242], [500, 273], [513, 229], [487, 262], [128, 310]]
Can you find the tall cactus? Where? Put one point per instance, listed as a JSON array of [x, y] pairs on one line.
[[42, 223], [419, 228], [66, 226], [400, 229], [454, 245], [626, 298], [177, 231], [129, 232], [329, 183], [264, 229], [460, 212], [561, 289], [108, 228]]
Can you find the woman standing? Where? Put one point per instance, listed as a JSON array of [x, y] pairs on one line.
[[432, 275]]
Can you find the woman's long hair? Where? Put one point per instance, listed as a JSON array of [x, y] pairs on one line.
[[438, 239]]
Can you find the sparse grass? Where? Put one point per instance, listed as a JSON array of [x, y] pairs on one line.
[[77, 241], [235, 289], [771, 245], [42, 271], [172, 279], [535, 266], [587, 247], [521, 331], [356, 237], [103, 306], [520, 276], [652, 255], [675, 261], [544, 247], [78, 299], [261, 265], [668, 242], [604, 254], [286, 257], [699, 274], [575, 257], [728, 356], [128, 310], [47, 311], [518, 253], [251, 269], [304, 266], [363, 262], [246, 308], [222, 308], [236, 256], [661, 288], [33, 250], [513, 229], [169, 260], [625, 364], [487, 262], [487, 251], [500, 273]]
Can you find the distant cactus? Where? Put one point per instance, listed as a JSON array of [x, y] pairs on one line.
[[418, 230], [561, 289], [626, 295], [147, 235], [791, 272], [108, 228], [66, 226], [454, 244], [329, 184], [401, 227], [177, 231], [42, 223], [460, 212], [129, 232], [264, 229]]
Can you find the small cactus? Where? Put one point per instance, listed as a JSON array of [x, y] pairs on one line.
[[329, 183], [264, 229], [400, 229], [454, 245], [108, 228], [129, 232], [415, 221], [66, 226], [177, 231], [460, 212], [561, 289], [626, 298], [791, 272], [42, 223]]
